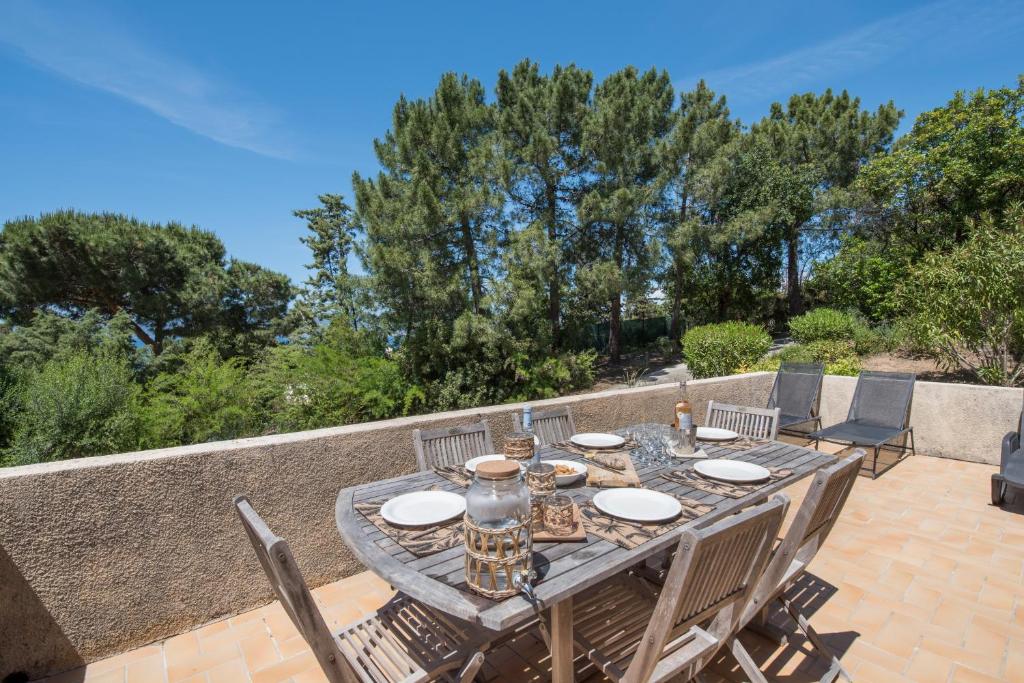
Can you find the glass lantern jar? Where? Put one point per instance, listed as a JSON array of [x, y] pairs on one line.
[[499, 537]]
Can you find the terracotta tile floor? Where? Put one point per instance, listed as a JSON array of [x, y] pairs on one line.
[[921, 580]]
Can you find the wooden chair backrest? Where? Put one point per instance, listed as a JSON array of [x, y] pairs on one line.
[[291, 589], [451, 445], [551, 426], [757, 423], [712, 576], [812, 524]]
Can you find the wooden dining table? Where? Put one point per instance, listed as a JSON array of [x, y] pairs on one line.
[[563, 569]]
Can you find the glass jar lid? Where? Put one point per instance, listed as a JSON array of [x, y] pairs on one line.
[[497, 469]]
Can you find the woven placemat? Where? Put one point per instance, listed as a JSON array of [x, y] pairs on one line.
[[722, 488], [456, 474], [419, 542], [631, 534]]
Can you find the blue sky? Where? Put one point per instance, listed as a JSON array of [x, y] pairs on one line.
[[229, 115]]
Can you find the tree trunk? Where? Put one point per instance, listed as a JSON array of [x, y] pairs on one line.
[[796, 300], [555, 283], [675, 329], [615, 320], [615, 329], [476, 287]]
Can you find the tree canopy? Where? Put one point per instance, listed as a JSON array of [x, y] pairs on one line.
[[170, 281]]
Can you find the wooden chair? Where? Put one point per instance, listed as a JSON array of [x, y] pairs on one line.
[[811, 526], [633, 634], [403, 641], [550, 426], [757, 423], [451, 445]]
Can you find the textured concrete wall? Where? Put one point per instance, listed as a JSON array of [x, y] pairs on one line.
[[960, 421], [102, 554]]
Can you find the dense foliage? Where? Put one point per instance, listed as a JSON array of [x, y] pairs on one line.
[[968, 303], [506, 248], [724, 348]]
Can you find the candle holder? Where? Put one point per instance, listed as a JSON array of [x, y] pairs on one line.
[[540, 478], [519, 446], [558, 518]]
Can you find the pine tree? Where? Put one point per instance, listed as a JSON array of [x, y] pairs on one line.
[[701, 129], [623, 136], [432, 216], [540, 122], [331, 289], [820, 141]]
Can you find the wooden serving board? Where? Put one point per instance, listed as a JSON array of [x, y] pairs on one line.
[[578, 536], [601, 477]]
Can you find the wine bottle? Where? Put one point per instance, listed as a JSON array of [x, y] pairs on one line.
[[683, 413]]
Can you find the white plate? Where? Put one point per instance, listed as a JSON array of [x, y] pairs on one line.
[[566, 479], [473, 462], [732, 471], [423, 508], [716, 434], [638, 505], [595, 440]]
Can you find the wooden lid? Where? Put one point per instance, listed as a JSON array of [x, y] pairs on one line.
[[497, 469]]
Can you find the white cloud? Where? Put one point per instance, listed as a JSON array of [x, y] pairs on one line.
[[947, 24], [101, 53]]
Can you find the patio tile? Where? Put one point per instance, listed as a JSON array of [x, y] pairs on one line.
[[927, 667], [283, 670], [259, 651], [148, 670], [963, 674]]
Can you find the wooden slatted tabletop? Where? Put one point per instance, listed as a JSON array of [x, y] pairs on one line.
[[563, 568]]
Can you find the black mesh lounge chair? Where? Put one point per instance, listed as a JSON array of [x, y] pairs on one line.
[[878, 414], [796, 393], [1011, 465]]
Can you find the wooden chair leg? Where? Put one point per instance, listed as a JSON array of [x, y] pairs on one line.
[[835, 666], [746, 662], [761, 626], [472, 666]]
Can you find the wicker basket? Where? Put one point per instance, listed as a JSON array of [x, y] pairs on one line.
[[498, 559]]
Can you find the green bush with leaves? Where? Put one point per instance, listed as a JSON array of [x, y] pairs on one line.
[[967, 304], [78, 404], [721, 349], [822, 324], [828, 324], [199, 397], [838, 356], [326, 386], [864, 276]]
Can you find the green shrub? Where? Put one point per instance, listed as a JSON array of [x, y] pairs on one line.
[[721, 349], [204, 398], [838, 356], [326, 386], [967, 304], [863, 275], [665, 346], [822, 323], [827, 324], [77, 405]]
